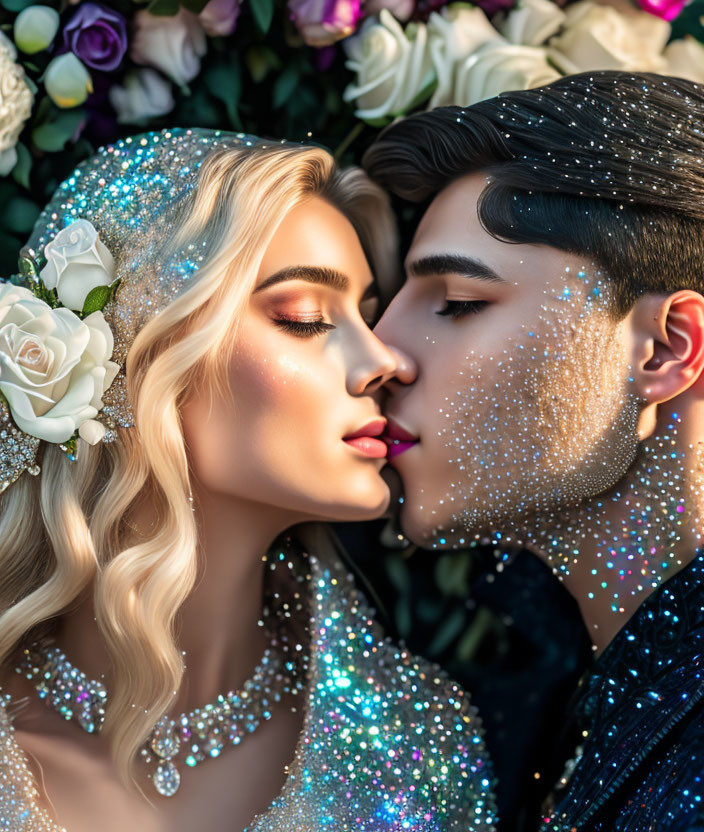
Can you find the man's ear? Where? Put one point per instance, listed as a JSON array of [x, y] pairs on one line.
[[668, 344]]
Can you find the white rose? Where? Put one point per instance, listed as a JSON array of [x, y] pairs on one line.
[[498, 68], [77, 261], [685, 59], [598, 37], [16, 100], [35, 28], [174, 43], [144, 94], [393, 67], [453, 35], [54, 367], [532, 22], [67, 81]]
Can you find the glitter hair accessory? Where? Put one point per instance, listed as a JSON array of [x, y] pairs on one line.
[[98, 265]]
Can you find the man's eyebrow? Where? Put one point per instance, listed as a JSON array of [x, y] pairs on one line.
[[313, 274], [435, 264]]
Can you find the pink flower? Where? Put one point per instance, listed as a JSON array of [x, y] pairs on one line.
[[666, 9], [322, 22], [219, 17]]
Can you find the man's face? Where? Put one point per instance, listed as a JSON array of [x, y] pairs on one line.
[[522, 403]]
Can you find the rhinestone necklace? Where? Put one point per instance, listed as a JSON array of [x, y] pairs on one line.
[[196, 735], [190, 738]]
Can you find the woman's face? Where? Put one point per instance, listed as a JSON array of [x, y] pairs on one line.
[[301, 433]]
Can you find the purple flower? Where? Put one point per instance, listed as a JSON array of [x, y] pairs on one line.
[[97, 35], [666, 9], [322, 22], [219, 17]]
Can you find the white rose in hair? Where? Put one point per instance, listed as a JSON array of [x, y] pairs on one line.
[[453, 35], [393, 66], [498, 68], [16, 100], [54, 367], [77, 261], [598, 37], [532, 22]]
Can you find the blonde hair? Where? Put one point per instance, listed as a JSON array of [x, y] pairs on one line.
[[62, 533]]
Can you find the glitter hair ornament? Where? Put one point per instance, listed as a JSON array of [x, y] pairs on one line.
[[84, 290]]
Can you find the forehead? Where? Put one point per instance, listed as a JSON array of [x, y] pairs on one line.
[[451, 226], [316, 233]]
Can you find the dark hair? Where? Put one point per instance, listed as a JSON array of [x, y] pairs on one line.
[[605, 164]]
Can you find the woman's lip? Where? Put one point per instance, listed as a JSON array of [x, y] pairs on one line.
[[368, 445], [374, 428]]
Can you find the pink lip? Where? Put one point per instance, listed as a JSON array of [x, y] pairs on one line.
[[365, 441], [398, 439]]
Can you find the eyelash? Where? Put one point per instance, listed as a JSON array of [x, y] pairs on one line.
[[460, 308], [304, 329]]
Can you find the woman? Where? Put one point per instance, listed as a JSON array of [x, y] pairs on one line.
[[239, 399]]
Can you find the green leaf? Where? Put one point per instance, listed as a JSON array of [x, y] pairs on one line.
[[451, 573], [96, 299], [285, 85], [195, 6], [27, 265], [20, 172], [224, 82], [163, 8], [450, 627], [16, 5], [263, 13], [20, 214], [54, 134], [397, 570], [260, 61]]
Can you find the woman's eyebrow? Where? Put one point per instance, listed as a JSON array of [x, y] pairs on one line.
[[313, 274]]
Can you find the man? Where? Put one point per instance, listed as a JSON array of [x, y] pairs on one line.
[[554, 314]]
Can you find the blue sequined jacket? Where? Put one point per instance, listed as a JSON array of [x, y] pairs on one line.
[[640, 716]]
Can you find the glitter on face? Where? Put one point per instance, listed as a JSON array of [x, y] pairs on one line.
[[529, 420]]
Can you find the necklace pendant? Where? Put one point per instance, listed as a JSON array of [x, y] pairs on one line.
[[167, 778]]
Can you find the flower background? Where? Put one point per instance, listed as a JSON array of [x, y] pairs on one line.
[[76, 74]]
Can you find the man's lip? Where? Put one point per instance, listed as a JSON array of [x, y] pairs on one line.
[[395, 434], [374, 428]]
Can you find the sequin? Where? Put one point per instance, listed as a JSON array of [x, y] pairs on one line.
[[640, 766], [389, 743]]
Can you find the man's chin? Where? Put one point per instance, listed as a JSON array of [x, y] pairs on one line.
[[427, 535]]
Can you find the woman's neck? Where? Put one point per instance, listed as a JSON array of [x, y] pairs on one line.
[[217, 626]]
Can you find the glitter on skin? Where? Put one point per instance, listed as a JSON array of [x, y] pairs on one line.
[[389, 742], [535, 439]]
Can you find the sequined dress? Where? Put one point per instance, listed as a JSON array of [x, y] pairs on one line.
[[389, 743], [639, 717]]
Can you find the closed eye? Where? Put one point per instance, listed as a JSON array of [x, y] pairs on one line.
[[460, 308]]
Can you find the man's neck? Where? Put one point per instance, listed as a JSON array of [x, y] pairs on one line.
[[614, 550]]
